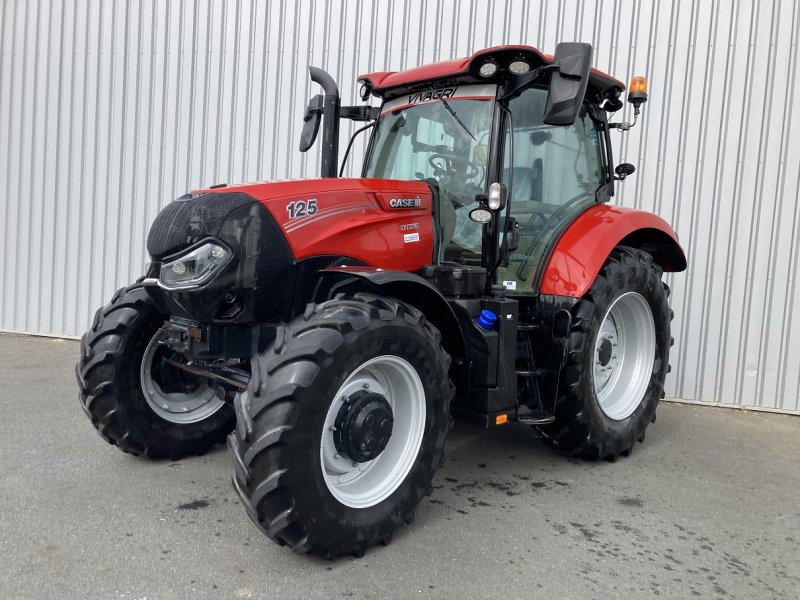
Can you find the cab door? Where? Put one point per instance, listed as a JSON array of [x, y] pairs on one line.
[[556, 173]]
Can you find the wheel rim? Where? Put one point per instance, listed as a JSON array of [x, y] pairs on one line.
[[361, 485], [176, 407], [624, 354]]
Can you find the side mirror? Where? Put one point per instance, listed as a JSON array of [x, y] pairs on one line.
[[623, 170], [568, 83], [311, 121]]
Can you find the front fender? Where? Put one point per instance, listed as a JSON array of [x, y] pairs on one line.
[[583, 248], [414, 290]]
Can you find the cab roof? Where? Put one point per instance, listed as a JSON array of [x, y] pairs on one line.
[[388, 84]]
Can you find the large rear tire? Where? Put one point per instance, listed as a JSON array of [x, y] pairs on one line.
[[342, 426], [618, 358], [133, 400]]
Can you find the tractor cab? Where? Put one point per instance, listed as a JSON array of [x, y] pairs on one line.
[[527, 122], [550, 173]]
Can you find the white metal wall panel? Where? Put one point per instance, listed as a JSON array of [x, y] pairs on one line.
[[110, 108]]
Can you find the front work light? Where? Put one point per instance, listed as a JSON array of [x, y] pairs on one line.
[[480, 215], [195, 267], [519, 67], [488, 69]]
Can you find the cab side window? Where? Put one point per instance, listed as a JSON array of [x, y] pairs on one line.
[[556, 173]]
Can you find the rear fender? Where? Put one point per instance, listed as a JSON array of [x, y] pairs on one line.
[[582, 249], [411, 289]]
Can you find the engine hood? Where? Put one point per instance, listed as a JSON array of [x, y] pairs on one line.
[[270, 191], [379, 222], [281, 234]]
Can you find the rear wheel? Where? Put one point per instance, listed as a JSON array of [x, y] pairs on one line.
[[134, 398], [342, 426], [618, 358]]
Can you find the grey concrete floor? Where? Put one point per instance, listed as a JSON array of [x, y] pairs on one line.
[[708, 507]]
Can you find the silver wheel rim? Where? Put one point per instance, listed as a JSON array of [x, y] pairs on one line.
[[624, 354], [181, 408], [361, 485]]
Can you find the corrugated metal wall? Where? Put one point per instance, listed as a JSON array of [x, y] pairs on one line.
[[108, 109]]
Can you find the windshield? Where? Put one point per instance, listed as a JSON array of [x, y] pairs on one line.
[[440, 135]]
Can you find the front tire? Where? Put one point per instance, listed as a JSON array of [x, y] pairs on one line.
[[133, 400], [315, 465], [618, 358]]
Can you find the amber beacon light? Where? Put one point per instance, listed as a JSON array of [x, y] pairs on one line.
[[637, 90]]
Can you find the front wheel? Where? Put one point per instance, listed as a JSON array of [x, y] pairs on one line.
[[133, 396], [618, 358], [342, 426]]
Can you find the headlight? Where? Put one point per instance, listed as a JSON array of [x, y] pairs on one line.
[[195, 267]]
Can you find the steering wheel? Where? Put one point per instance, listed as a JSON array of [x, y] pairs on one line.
[[449, 164]]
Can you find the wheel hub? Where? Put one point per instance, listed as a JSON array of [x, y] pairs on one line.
[[363, 484], [604, 352], [363, 426]]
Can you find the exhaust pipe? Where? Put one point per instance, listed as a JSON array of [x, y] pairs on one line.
[[330, 122]]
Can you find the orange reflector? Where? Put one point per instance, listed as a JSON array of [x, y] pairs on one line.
[[638, 85], [501, 419]]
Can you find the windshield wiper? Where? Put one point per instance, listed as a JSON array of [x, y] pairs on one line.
[[459, 121]]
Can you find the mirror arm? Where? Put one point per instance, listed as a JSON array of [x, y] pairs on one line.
[[523, 82], [359, 113]]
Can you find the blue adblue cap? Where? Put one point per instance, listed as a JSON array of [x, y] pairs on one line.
[[486, 319]]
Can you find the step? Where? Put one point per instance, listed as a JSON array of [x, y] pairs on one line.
[[535, 417], [535, 372]]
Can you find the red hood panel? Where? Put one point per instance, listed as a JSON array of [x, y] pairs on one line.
[[381, 222]]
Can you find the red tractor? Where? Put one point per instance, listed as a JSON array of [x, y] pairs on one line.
[[333, 328]]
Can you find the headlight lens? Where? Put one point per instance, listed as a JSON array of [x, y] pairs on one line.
[[194, 267]]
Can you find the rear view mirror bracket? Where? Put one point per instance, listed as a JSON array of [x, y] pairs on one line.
[[360, 113], [523, 82]]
